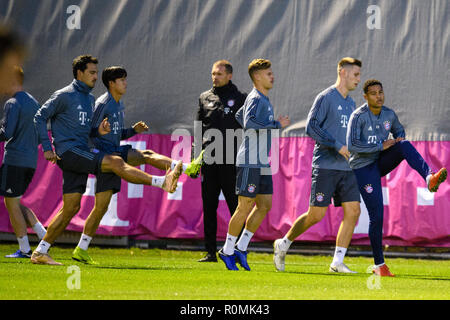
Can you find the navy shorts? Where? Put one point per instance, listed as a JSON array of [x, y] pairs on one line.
[[14, 180], [337, 184], [76, 165], [250, 182], [110, 181]]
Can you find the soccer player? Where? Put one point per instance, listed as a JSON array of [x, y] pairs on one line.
[[12, 52], [253, 178], [331, 174], [110, 106], [19, 162], [70, 113], [373, 154], [217, 109]]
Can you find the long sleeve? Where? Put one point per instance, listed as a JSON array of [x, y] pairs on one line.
[[239, 115], [200, 114], [315, 119], [40, 120], [354, 141], [256, 118], [9, 122], [99, 115], [127, 133], [397, 128]]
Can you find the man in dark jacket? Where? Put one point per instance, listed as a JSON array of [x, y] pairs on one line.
[[217, 108]]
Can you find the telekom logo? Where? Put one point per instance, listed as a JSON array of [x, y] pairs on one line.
[[82, 117]]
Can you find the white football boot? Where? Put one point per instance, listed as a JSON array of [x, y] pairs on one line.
[[278, 255], [340, 268]]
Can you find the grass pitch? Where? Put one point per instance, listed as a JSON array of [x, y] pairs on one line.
[[176, 275]]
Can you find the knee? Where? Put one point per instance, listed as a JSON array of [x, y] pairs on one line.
[[264, 203], [114, 162], [265, 206], [353, 213], [100, 209], [74, 210], [69, 211], [315, 215], [245, 205], [148, 153], [142, 156], [405, 145]]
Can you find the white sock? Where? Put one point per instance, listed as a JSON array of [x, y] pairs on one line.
[[228, 247], [158, 181], [43, 246], [174, 164], [379, 265], [243, 242], [84, 242], [24, 245], [285, 244], [339, 254], [428, 178], [40, 230]]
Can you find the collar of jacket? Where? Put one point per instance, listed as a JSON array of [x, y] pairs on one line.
[[81, 86], [224, 89]]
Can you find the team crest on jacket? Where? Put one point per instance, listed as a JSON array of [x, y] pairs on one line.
[[251, 188], [319, 197], [368, 188], [230, 103], [387, 125]]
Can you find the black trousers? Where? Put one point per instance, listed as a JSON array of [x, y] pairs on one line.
[[216, 177]]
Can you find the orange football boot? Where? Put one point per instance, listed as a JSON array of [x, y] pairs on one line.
[[383, 271], [436, 179]]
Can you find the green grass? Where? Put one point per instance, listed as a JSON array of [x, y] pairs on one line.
[[176, 275]]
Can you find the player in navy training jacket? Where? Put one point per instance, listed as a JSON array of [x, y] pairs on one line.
[[331, 176], [373, 154], [253, 178], [19, 161]]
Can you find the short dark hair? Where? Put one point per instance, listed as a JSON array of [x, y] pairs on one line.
[[371, 82], [112, 73], [258, 64], [348, 61], [226, 64], [80, 63], [10, 42]]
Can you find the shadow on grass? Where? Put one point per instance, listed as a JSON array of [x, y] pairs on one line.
[[365, 275], [330, 274], [148, 268], [68, 262], [422, 277]]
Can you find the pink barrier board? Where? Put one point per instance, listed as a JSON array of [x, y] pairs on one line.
[[413, 216]]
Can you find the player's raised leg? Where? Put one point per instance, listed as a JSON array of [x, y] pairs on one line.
[[112, 163], [162, 162]]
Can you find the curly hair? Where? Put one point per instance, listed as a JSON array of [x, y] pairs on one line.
[[371, 82], [80, 63]]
